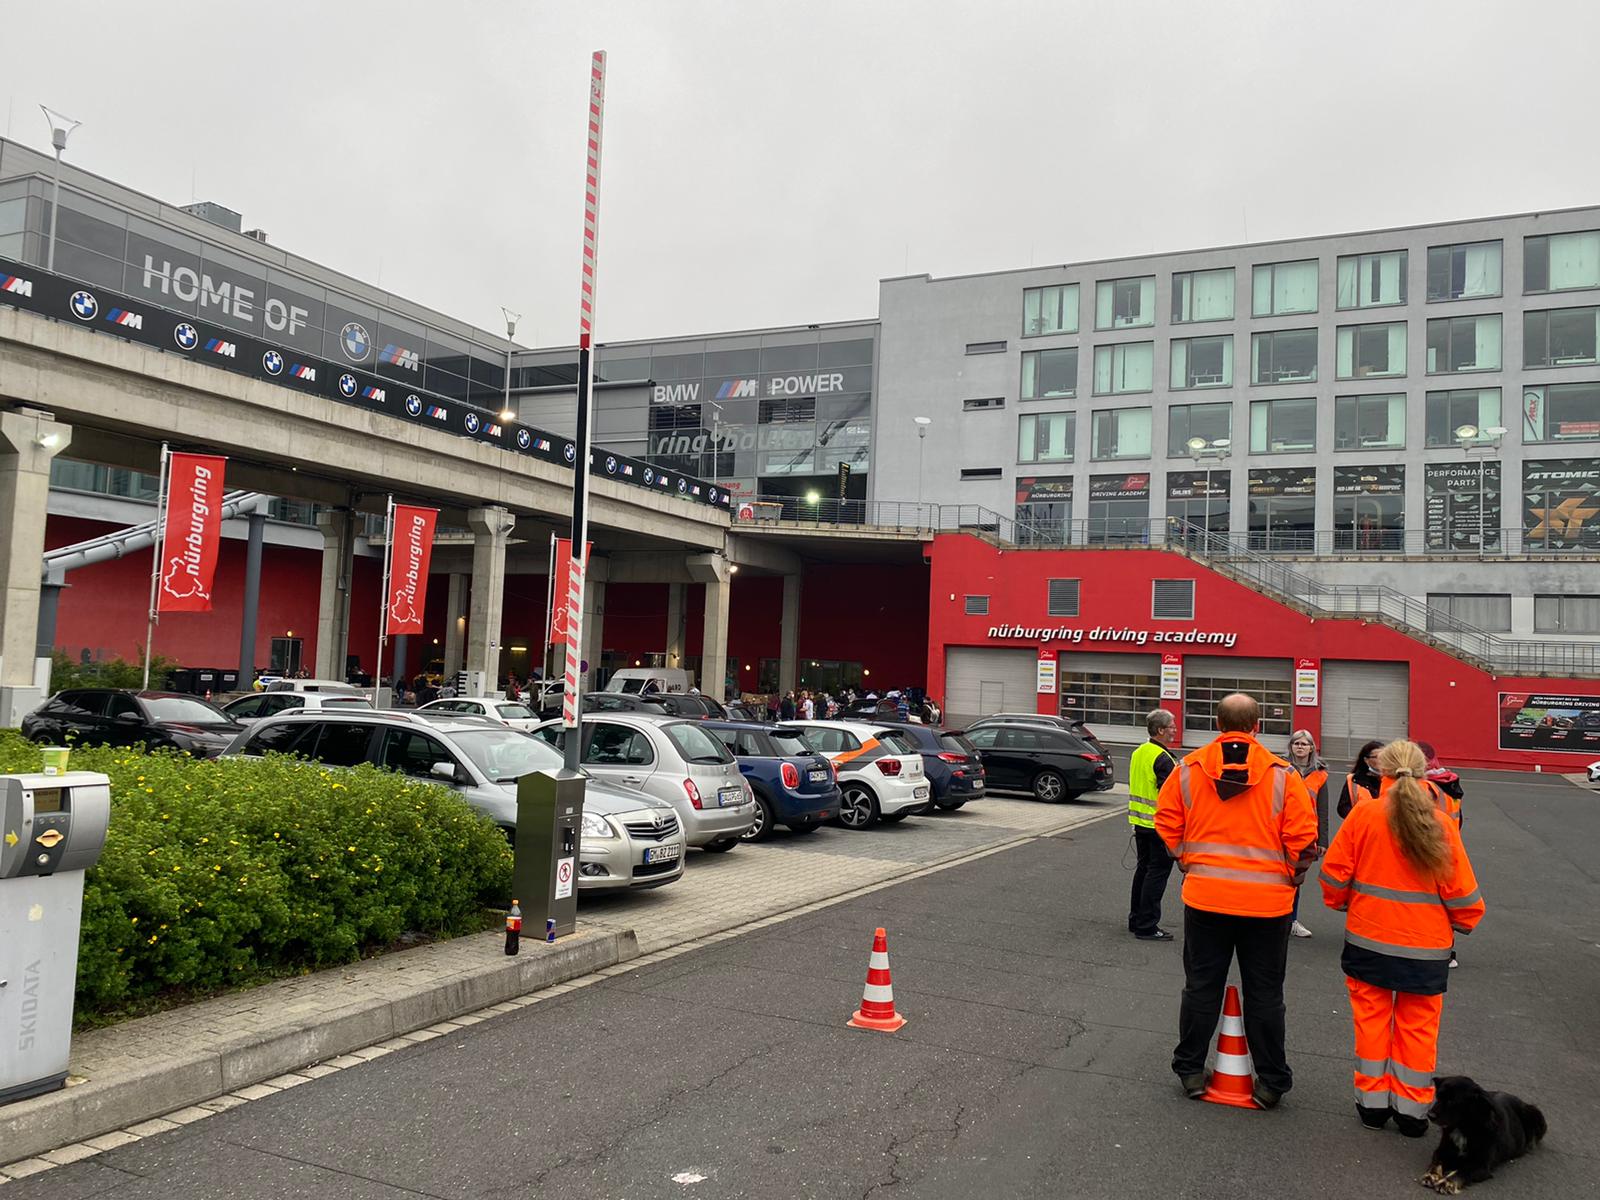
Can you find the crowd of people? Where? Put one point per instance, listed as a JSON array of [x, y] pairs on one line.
[[1246, 827]]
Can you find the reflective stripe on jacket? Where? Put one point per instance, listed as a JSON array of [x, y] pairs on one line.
[[1236, 817], [1142, 789]]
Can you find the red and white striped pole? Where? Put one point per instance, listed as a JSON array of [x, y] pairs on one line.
[[572, 682]]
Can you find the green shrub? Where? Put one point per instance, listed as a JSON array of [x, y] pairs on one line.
[[68, 672], [220, 873]]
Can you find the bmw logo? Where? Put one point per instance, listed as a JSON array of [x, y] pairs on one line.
[[649, 475], [524, 439], [355, 341], [570, 452], [711, 494], [347, 385], [414, 405], [84, 306], [683, 485], [611, 464], [472, 422], [272, 362], [186, 336]]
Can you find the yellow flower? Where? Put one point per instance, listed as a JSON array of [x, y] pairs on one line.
[[351, 849], [135, 921]]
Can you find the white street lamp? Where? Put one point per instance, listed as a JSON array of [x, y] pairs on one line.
[[507, 413], [922, 436], [60, 127]]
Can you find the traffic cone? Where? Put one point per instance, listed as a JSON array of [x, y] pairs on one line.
[[1232, 1078], [877, 998]]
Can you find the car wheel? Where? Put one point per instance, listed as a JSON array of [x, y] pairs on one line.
[[1049, 786], [949, 805], [858, 807], [720, 847], [761, 828]]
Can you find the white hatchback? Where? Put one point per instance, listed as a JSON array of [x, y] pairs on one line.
[[880, 773], [508, 712]]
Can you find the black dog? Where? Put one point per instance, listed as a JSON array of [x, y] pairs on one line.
[[1482, 1130]]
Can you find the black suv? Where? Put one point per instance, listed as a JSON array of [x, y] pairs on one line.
[[1051, 763], [113, 717]]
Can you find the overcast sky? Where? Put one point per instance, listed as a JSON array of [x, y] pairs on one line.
[[767, 163]]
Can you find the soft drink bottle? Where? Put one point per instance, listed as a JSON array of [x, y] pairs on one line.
[[514, 928]]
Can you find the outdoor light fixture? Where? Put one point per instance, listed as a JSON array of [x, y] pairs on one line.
[[733, 568], [60, 127], [49, 440], [507, 413], [813, 496], [1197, 444], [1465, 432]]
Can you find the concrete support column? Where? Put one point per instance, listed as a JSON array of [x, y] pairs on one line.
[[491, 530], [712, 569], [675, 623], [397, 657], [252, 598], [338, 526], [594, 620], [50, 589], [789, 635], [455, 626], [28, 441]]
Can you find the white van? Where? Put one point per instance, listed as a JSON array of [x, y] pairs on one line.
[[639, 680]]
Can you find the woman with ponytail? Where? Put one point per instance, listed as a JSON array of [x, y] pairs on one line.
[[1399, 873]]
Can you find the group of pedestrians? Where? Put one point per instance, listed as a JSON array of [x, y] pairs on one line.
[[1245, 827]]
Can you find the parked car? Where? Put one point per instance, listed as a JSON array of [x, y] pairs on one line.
[[672, 704], [639, 680], [887, 709], [335, 686], [613, 702], [1070, 724], [880, 773], [508, 712], [740, 711], [270, 704], [673, 760], [793, 784], [952, 764], [1054, 764], [627, 840], [1594, 772], [114, 717]]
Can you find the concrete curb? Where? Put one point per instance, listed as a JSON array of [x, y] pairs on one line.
[[118, 1099]]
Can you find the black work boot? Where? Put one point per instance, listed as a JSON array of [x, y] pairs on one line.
[[1374, 1118]]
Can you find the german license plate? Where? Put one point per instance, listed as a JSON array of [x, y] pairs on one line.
[[920, 793], [661, 854], [977, 785], [728, 797], [818, 775]]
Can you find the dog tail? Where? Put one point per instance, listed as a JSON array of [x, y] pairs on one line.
[[1533, 1122]]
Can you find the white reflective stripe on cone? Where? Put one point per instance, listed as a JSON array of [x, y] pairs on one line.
[[1232, 1025], [878, 991], [1232, 1064], [878, 961]]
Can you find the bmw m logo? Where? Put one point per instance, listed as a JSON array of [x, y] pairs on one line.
[[472, 422], [355, 341], [84, 306], [186, 336], [611, 464], [570, 452], [272, 362], [347, 385], [649, 476], [524, 439], [414, 405]]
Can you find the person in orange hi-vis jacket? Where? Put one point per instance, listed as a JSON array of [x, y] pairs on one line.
[[1243, 828], [1398, 871]]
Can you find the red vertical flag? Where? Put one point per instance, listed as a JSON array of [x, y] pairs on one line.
[[191, 538], [409, 551], [559, 586]]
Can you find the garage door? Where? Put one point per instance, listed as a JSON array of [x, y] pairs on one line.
[[979, 681], [1207, 679], [1362, 701], [1112, 692]]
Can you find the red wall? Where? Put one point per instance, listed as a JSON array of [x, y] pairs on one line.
[[1453, 705]]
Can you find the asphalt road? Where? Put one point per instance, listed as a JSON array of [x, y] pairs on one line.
[[1035, 1062]]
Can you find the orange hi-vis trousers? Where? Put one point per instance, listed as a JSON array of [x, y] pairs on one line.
[[1397, 1044]]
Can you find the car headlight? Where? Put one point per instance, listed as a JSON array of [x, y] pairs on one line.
[[596, 826]]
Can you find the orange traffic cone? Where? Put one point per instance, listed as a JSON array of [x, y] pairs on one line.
[[1231, 1079], [877, 998]]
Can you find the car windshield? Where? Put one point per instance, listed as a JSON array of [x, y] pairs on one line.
[[633, 686], [178, 708], [696, 745], [514, 712], [790, 742], [505, 755]]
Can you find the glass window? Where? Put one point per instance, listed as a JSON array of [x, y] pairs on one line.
[[776, 358], [1281, 288], [1369, 508], [1447, 412], [1046, 437], [1125, 303], [1202, 362], [1464, 344], [1125, 368], [618, 745], [1200, 498], [1560, 337], [1372, 280], [287, 737], [1371, 350], [1369, 422], [1465, 272], [1461, 507], [1121, 433], [342, 743], [1050, 310], [1119, 509], [1561, 412], [1287, 356], [1283, 505], [1283, 426], [1274, 693], [1202, 296], [1566, 614], [856, 352], [1559, 262], [1047, 374], [696, 745], [1481, 610], [1211, 424], [1116, 699], [414, 753]]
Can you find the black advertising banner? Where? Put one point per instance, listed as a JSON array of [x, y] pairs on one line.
[[1044, 489], [1283, 481], [1198, 485], [1461, 506], [1369, 481], [277, 363], [1120, 487], [1561, 504], [1542, 721]]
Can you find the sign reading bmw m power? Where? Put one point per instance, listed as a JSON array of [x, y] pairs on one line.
[[374, 378]]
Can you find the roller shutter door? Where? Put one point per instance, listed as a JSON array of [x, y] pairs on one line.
[[1362, 701], [1208, 678], [1112, 692], [983, 680]]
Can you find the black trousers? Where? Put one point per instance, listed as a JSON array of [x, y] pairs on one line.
[[1210, 942], [1149, 880]]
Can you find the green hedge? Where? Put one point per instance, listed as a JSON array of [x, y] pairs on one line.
[[221, 873]]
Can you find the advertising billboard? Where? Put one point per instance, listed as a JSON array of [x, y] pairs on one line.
[[1550, 721]]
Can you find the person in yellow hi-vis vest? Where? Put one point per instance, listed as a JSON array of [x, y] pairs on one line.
[[1152, 763]]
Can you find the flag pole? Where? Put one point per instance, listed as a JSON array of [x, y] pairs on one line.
[[383, 601], [549, 614], [155, 564]]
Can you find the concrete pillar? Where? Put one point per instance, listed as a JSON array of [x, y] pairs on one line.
[[594, 620], [789, 635], [712, 570], [675, 623], [252, 598], [491, 529], [28, 441], [338, 528], [50, 589], [455, 626], [397, 657]]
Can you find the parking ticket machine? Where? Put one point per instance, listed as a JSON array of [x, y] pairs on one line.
[[52, 828]]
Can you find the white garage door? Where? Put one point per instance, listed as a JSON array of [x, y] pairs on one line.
[[1112, 692], [1207, 679], [979, 681], [1363, 701]]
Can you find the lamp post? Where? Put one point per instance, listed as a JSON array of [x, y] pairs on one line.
[[507, 413], [922, 424], [60, 127], [1211, 450], [1486, 440]]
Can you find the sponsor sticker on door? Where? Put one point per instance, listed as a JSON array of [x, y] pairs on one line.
[[1047, 673], [1171, 677], [1307, 683]]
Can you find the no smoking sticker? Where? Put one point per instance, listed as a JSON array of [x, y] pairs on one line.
[[563, 878]]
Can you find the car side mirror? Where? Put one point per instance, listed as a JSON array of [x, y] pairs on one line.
[[445, 771], [129, 719]]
